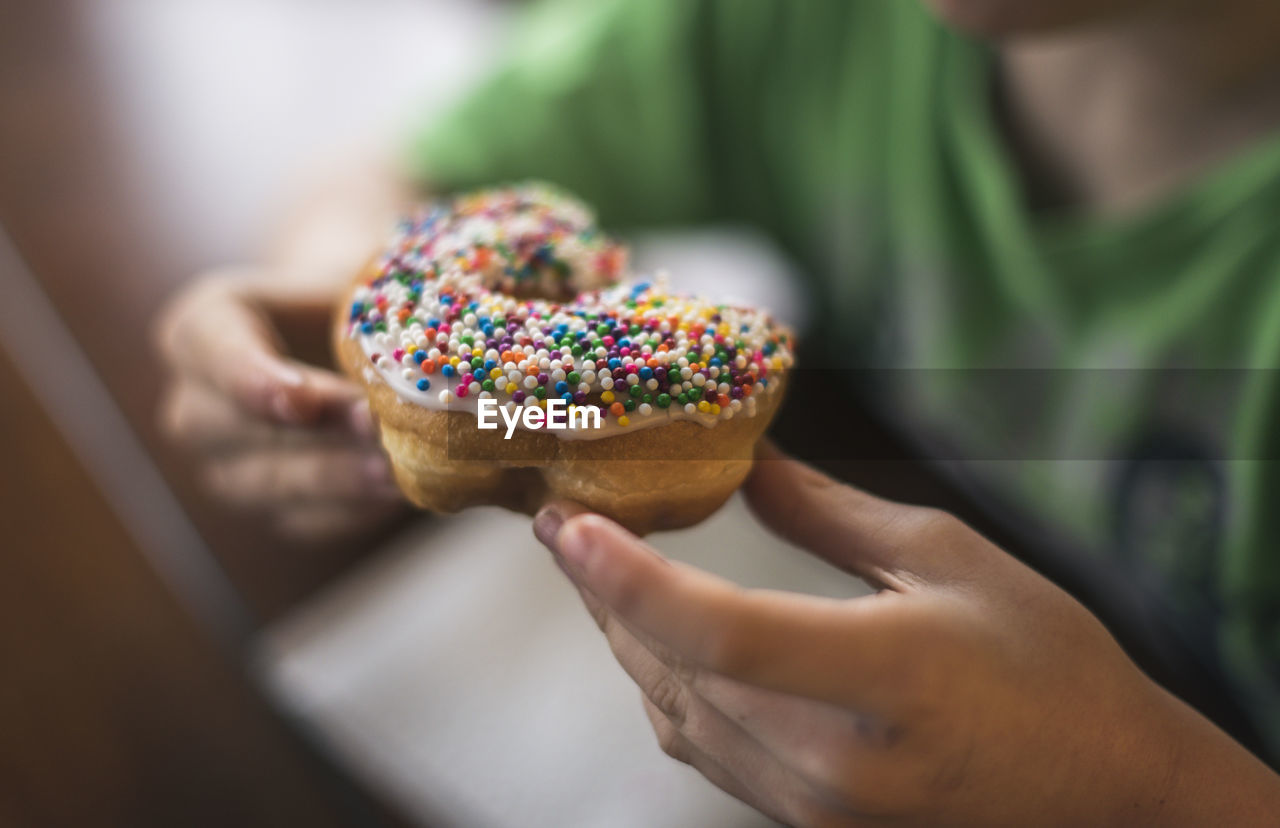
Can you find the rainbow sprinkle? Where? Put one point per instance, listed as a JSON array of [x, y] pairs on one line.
[[462, 293]]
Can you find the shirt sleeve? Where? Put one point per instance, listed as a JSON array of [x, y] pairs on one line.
[[602, 97]]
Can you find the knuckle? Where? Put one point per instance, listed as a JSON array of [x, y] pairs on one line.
[[670, 695], [255, 389], [936, 523], [684, 671], [916, 526], [944, 533], [811, 487]]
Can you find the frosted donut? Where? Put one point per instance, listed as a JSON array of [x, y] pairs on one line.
[[509, 309]]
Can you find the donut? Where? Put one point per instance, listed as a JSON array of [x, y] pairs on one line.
[[511, 357]]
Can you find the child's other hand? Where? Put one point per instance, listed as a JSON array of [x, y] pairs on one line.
[[273, 436], [968, 690]]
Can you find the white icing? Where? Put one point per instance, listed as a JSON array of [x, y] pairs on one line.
[[408, 392]]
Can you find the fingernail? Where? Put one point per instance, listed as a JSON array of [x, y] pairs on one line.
[[547, 523]]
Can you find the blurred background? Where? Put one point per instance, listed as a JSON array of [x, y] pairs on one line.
[[165, 661], [165, 666]]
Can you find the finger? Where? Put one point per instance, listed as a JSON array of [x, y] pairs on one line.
[[549, 519], [680, 728], [833, 750], [777, 640], [891, 545], [823, 749], [267, 479], [198, 418], [665, 680], [756, 780], [220, 332], [670, 690]]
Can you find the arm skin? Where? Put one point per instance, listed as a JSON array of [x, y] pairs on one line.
[[967, 691]]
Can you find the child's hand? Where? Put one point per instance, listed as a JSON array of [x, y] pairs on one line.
[[969, 690], [273, 436]]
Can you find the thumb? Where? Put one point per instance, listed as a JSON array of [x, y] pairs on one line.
[[221, 336], [777, 640], [888, 544]]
